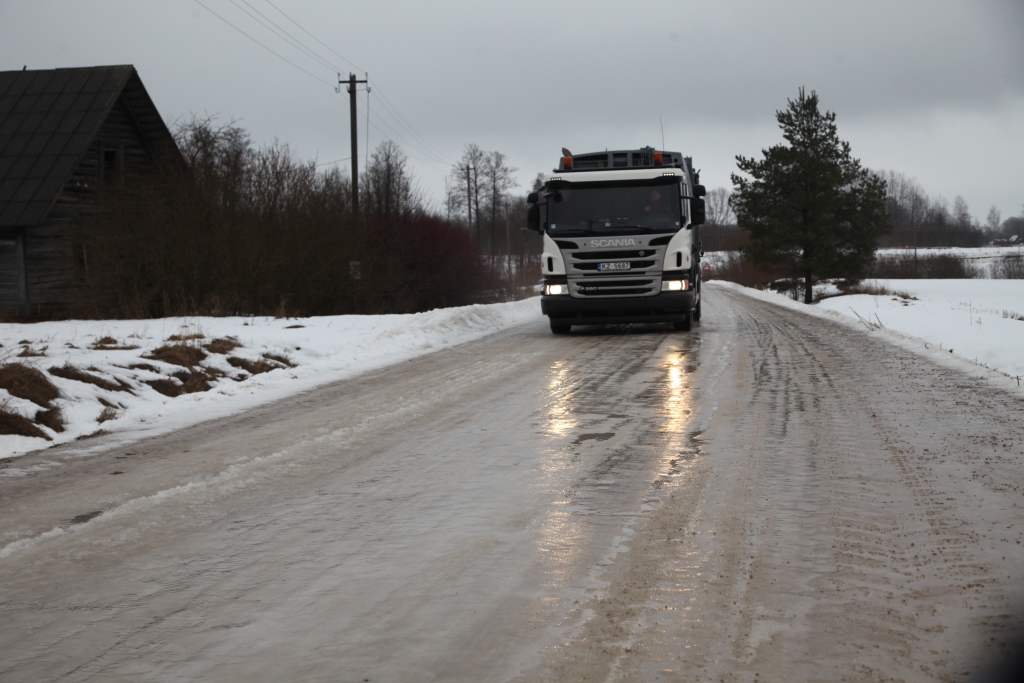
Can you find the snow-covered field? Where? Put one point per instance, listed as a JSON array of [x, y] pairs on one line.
[[275, 358], [981, 258], [972, 322]]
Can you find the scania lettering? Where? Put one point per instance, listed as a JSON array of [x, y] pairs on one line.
[[621, 239]]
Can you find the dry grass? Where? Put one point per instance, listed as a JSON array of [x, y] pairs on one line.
[[11, 423], [194, 382], [1012, 315], [109, 413], [253, 367], [52, 418], [222, 346], [98, 432], [186, 337], [69, 371], [278, 358], [167, 387], [29, 383], [178, 354], [111, 344], [29, 352], [144, 366], [189, 382]]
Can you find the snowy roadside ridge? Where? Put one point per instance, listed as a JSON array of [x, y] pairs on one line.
[[319, 350], [1002, 375]]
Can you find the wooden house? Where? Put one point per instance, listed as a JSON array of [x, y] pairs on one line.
[[63, 134]]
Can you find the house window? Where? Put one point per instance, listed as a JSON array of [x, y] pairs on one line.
[[112, 165]]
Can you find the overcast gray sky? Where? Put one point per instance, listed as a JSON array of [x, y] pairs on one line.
[[931, 88]]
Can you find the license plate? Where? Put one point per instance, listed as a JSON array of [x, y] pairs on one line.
[[618, 265]]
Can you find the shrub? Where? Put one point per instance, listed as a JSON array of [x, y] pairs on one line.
[[1009, 268], [925, 267]]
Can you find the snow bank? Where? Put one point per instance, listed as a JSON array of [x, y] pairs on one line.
[[970, 324], [321, 350]]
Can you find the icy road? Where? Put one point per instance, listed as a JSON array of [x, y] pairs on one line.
[[770, 497]]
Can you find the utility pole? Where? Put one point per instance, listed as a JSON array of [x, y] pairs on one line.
[[469, 203], [352, 83]]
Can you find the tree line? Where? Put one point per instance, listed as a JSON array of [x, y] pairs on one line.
[[917, 218], [247, 230]]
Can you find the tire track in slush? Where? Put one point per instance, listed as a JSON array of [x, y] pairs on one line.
[[857, 515]]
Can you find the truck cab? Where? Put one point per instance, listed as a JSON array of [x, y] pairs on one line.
[[621, 239]]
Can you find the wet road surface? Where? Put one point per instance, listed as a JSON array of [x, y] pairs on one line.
[[768, 497]]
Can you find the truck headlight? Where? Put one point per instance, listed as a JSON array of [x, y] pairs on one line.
[[556, 290], [674, 285]]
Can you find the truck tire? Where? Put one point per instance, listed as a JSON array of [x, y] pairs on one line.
[[686, 324], [696, 312], [560, 329]]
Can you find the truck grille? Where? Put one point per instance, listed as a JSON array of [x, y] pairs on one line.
[[642, 279], [598, 287]]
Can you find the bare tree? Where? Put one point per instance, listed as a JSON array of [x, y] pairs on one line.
[[718, 210], [498, 179], [388, 186], [454, 195], [961, 214], [469, 186], [994, 220]]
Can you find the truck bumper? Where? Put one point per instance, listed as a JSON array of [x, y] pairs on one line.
[[664, 307]]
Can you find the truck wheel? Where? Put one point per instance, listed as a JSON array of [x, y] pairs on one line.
[[560, 329], [686, 324], [696, 312]]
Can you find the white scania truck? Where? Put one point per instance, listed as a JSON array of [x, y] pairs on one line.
[[621, 239]]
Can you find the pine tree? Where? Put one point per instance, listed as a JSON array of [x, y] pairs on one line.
[[809, 206]]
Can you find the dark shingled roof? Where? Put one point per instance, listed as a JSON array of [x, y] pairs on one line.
[[47, 120]]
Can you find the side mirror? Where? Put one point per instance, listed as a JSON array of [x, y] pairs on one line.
[[533, 217], [532, 198], [699, 191], [697, 216]]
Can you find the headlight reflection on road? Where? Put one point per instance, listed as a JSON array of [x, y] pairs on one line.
[[560, 418], [562, 538], [676, 407]]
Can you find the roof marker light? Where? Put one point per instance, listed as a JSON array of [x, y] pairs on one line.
[[567, 162], [657, 157]]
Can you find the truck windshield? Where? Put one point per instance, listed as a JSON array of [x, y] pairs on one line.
[[614, 210]]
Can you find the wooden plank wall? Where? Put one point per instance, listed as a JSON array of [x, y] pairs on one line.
[[49, 247], [8, 276]]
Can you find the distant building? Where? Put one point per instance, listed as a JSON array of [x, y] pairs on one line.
[[64, 133]]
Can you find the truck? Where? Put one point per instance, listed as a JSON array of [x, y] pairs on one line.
[[621, 234]]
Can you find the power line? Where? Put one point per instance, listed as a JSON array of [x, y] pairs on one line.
[[418, 142], [358, 68], [294, 42], [328, 163], [388, 107], [388, 137], [413, 145], [261, 44], [408, 126]]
